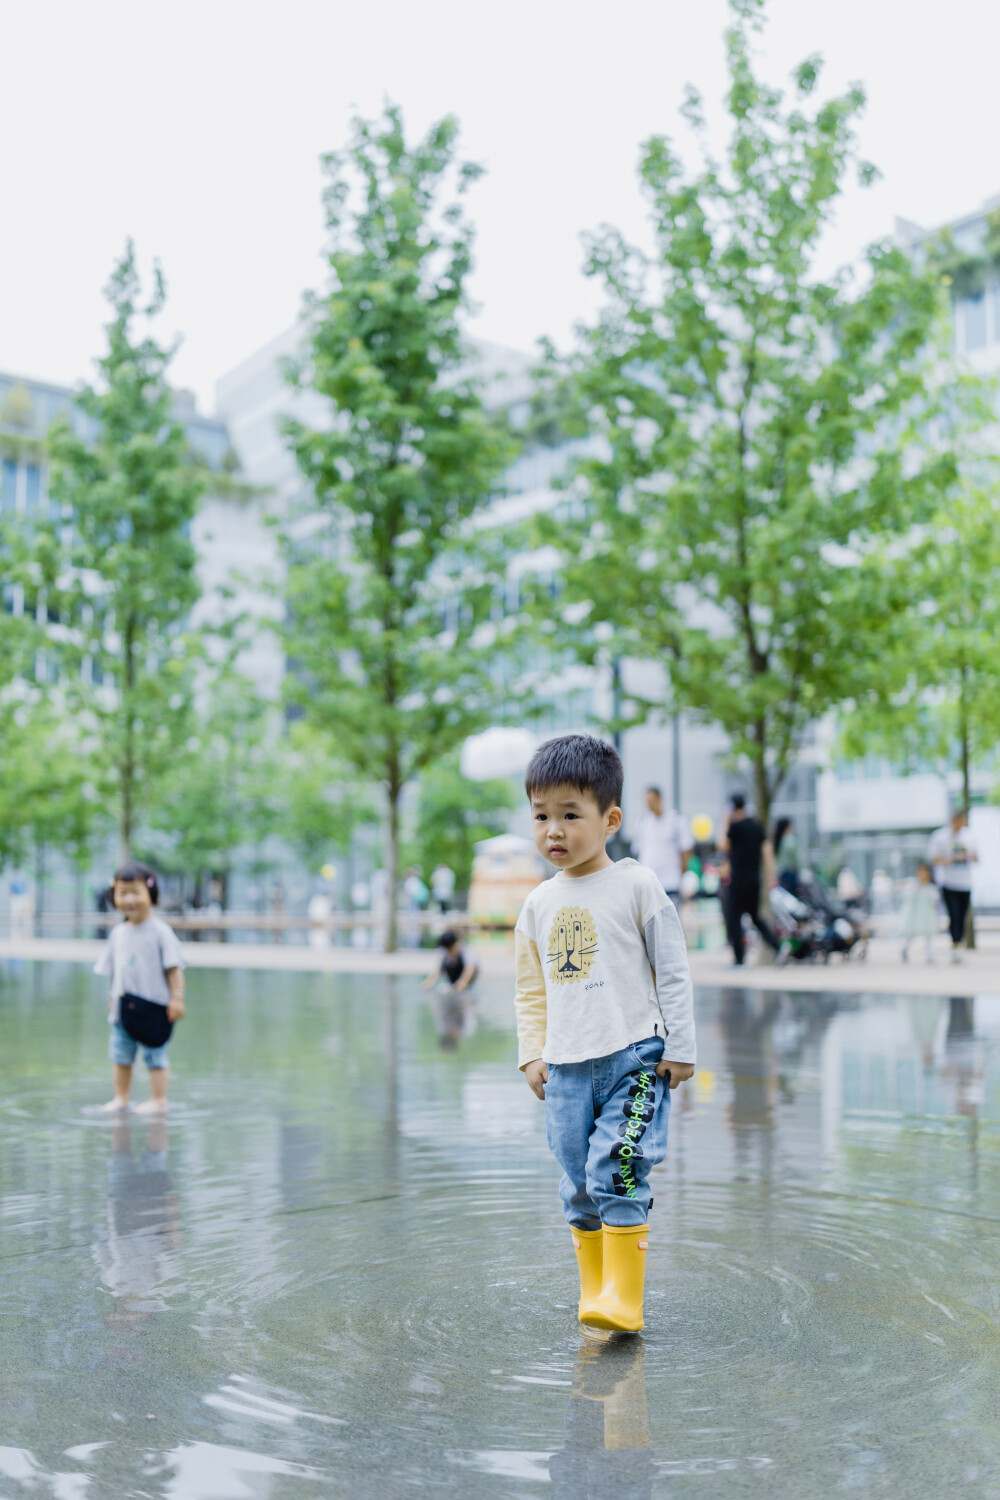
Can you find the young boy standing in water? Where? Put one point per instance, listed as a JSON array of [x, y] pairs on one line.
[[604, 1015]]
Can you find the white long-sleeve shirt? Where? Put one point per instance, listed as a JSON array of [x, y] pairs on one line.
[[661, 841], [601, 963]]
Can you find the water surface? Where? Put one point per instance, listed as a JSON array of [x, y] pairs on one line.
[[340, 1268]]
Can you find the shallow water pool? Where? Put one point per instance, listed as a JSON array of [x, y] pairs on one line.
[[340, 1268]]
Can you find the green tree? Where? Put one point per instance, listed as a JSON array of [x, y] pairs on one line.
[[454, 814], [128, 491], [933, 694], [48, 800], [753, 418], [226, 792], [21, 639], [46, 795], [385, 605], [322, 804]]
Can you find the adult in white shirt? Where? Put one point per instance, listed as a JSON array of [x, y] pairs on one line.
[[443, 885], [952, 852], [663, 842]]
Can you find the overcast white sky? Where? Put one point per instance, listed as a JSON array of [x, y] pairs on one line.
[[197, 127]]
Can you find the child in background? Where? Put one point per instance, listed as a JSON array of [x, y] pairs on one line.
[[919, 916], [455, 966], [143, 958], [604, 1015]]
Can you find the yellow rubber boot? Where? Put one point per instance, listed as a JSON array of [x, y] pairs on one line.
[[589, 1247], [619, 1305]]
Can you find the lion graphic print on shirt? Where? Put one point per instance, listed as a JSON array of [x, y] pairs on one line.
[[572, 945], [601, 963]]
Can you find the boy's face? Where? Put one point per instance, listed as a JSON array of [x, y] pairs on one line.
[[132, 897], [570, 829]]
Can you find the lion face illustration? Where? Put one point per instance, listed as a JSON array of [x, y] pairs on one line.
[[572, 945]]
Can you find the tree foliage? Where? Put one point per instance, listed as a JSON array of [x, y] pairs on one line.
[[932, 691], [453, 815], [385, 602], [128, 491], [754, 423], [48, 800]]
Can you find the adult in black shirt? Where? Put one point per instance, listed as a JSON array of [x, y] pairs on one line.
[[746, 843]]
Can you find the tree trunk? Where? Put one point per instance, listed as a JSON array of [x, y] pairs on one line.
[[964, 747], [127, 779], [970, 921], [762, 791], [389, 943], [762, 795], [77, 898], [39, 886]]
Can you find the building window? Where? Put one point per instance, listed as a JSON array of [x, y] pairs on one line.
[[33, 487], [8, 485], [974, 309]]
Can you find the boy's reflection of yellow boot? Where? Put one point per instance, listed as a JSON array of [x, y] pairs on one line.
[[626, 1414], [607, 1439], [589, 1247], [619, 1305]]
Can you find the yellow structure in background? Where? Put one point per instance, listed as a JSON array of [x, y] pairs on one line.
[[504, 870]]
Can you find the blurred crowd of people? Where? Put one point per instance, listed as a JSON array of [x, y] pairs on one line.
[[763, 884]]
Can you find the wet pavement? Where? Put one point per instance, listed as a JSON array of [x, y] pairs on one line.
[[340, 1268]]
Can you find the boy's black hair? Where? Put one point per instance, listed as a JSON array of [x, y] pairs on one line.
[[134, 869], [581, 761], [448, 938], [739, 801]]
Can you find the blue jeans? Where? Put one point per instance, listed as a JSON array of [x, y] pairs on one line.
[[122, 1049], [606, 1120]]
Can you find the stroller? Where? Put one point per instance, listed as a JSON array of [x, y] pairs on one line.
[[812, 925]]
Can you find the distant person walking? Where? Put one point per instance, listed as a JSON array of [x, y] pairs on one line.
[[746, 843], [952, 851], [786, 855], [663, 842], [22, 905], [443, 885]]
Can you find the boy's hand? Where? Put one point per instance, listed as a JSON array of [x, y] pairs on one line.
[[677, 1072], [537, 1075], [175, 1008]]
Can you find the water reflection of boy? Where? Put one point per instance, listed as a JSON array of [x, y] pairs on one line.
[[142, 1220], [606, 1430]]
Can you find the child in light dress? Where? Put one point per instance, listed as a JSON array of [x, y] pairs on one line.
[[920, 907]]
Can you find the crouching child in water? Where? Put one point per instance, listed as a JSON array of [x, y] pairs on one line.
[[145, 964], [605, 1019], [455, 966]]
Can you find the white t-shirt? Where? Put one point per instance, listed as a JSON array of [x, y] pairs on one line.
[[944, 841], [659, 843], [135, 956], [601, 963]]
